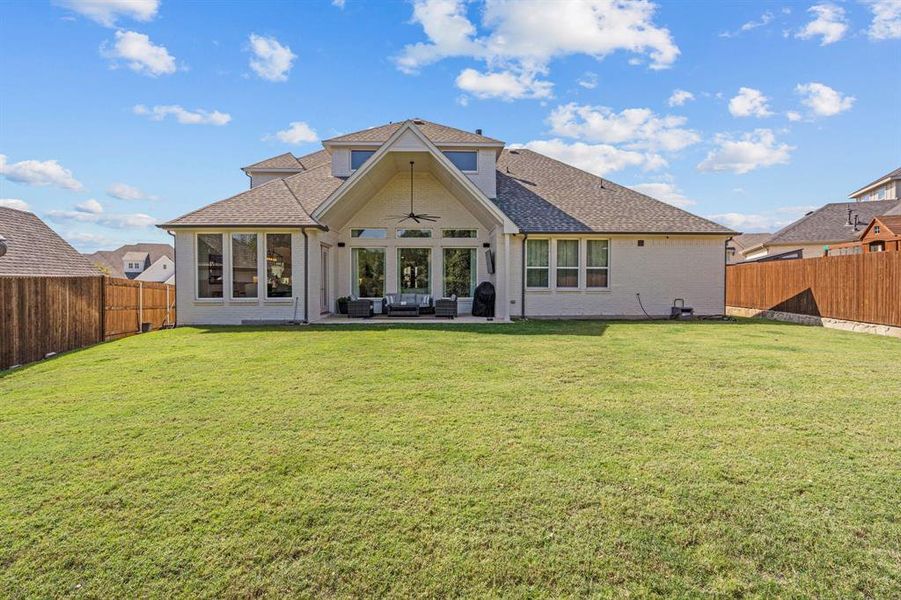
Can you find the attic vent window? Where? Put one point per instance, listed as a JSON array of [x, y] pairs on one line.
[[640, 243]]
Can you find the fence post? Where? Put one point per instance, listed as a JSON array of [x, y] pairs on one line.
[[103, 281], [140, 306]]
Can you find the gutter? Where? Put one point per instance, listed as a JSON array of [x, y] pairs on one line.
[[522, 301]]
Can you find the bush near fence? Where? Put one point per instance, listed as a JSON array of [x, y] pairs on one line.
[[43, 315], [861, 287]]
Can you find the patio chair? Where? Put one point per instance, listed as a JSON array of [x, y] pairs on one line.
[[359, 309]]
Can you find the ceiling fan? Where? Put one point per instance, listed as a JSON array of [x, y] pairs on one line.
[[418, 217]]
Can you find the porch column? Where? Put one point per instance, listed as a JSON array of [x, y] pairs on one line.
[[501, 254]]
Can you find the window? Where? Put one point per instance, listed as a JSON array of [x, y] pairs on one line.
[[876, 229], [373, 234], [459, 272], [414, 233], [465, 161], [209, 265], [368, 268], [877, 246], [278, 265], [165, 266], [598, 264], [537, 263], [459, 233], [244, 265], [413, 268], [567, 263], [358, 157]]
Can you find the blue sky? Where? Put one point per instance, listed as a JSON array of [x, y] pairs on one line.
[[117, 115]]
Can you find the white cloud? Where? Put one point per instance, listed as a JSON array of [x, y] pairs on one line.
[[793, 115], [765, 18], [503, 85], [92, 211], [15, 203], [39, 173], [298, 132], [185, 117], [599, 159], [271, 60], [339, 3], [588, 80], [123, 191], [522, 38], [636, 128], [680, 97], [746, 153], [91, 207], [665, 192], [822, 100], [886, 23], [106, 12], [829, 24], [141, 55], [749, 103], [769, 221]]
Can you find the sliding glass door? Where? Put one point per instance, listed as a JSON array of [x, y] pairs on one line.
[[414, 270]]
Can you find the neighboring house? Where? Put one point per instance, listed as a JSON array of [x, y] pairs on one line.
[[883, 234], [33, 249], [553, 240], [738, 245], [814, 233], [143, 262], [887, 187]]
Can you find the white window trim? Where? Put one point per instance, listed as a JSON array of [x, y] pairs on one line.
[[475, 267], [397, 231], [197, 297], [608, 267], [350, 157], [578, 268], [550, 245], [478, 159], [384, 250], [264, 278], [231, 269]]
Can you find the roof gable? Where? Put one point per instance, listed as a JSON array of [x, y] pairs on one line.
[[829, 224], [33, 249], [436, 133], [891, 175]]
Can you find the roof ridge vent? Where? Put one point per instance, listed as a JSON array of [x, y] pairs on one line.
[[418, 122]]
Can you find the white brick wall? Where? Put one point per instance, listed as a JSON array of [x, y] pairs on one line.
[[689, 267]]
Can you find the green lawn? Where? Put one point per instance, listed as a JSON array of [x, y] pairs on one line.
[[533, 459]]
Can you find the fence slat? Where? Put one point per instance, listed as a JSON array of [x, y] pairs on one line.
[[855, 287], [39, 315]]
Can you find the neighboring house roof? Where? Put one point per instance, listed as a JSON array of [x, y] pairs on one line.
[[33, 249], [829, 224], [135, 256], [544, 195], [437, 134], [537, 193], [746, 241], [890, 222], [894, 211], [892, 175], [111, 260]]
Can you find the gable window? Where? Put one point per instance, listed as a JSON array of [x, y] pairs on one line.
[[537, 264], [876, 229], [459, 272], [414, 233], [373, 234], [209, 265], [598, 263], [567, 263], [368, 268], [278, 265], [459, 233], [244, 265], [465, 161], [358, 157]]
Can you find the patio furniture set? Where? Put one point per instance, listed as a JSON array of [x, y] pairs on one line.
[[404, 305]]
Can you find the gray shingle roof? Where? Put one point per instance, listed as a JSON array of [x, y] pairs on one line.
[[272, 203], [36, 250], [541, 194], [896, 174], [436, 133], [112, 260], [829, 224]]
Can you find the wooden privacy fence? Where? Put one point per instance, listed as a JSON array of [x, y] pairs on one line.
[[42, 315], [859, 287]]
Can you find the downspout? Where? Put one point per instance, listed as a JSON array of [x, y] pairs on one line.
[[725, 267], [522, 302], [175, 260], [306, 276]]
